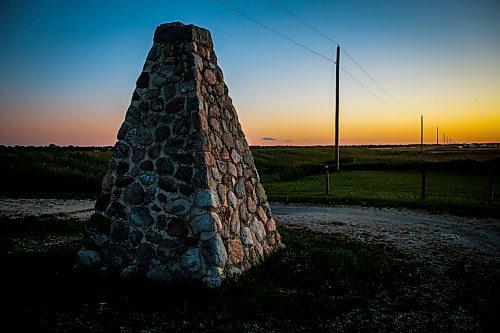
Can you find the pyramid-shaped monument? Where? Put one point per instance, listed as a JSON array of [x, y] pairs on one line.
[[182, 198]]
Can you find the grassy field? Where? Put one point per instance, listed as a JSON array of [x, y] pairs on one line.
[[320, 283], [457, 179]]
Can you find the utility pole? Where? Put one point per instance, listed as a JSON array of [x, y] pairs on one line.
[[421, 134], [337, 152], [437, 137]]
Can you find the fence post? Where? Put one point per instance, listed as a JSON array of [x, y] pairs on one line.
[[327, 180], [423, 191]]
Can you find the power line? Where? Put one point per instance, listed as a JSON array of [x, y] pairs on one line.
[[345, 52], [375, 95], [304, 22], [274, 31], [308, 49]]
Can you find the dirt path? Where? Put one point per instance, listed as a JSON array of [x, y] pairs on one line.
[[457, 260], [432, 239]]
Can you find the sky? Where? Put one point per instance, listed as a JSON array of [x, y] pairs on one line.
[[68, 68]]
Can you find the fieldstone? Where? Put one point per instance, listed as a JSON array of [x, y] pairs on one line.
[[233, 201], [144, 138], [181, 198], [133, 194], [121, 150], [162, 133], [116, 255], [207, 198], [258, 230], [136, 237], [175, 105], [147, 179], [231, 169], [235, 156], [159, 81], [167, 184], [107, 183], [178, 207], [154, 152], [144, 255], [240, 189], [222, 166], [204, 223], [217, 255], [159, 274], [214, 277], [261, 194], [235, 251], [103, 201], [178, 228], [164, 166], [116, 209], [129, 272], [184, 173], [192, 261], [120, 231], [99, 240], [246, 236], [88, 259], [143, 80], [123, 181], [141, 216], [153, 237], [169, 250], [267, 209], [271, 226]]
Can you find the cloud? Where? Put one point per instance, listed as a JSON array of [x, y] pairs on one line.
[[266, 138], [288, 141]]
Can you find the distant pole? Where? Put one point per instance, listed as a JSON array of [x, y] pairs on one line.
[[437, 137], [444, 138], [337, 152], [327, 180], [421, 133]]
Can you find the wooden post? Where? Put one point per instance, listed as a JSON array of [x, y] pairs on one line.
[[337, 152], [437, 138], [423, 191], [327, 180], [421, 134]]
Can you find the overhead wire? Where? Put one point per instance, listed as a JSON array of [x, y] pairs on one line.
[[308, 48], [344, 51]]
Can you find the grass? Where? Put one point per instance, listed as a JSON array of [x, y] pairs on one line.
[[319, 282], [456, 192], [457, 178]]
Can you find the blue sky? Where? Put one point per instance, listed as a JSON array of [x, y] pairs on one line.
[[79, 59]]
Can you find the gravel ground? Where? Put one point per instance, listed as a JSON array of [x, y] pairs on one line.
[[449, 251], [454, 255]]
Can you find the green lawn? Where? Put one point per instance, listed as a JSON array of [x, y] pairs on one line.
[[446, 191], [456, 180]]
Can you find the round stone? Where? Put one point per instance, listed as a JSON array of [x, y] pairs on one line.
[[162, 133], [116, 255], [164, 166], [192, 261], [133, 194], [141, 216], [184, 173]]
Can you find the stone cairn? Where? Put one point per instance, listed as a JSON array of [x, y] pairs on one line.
[[182, 199]]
